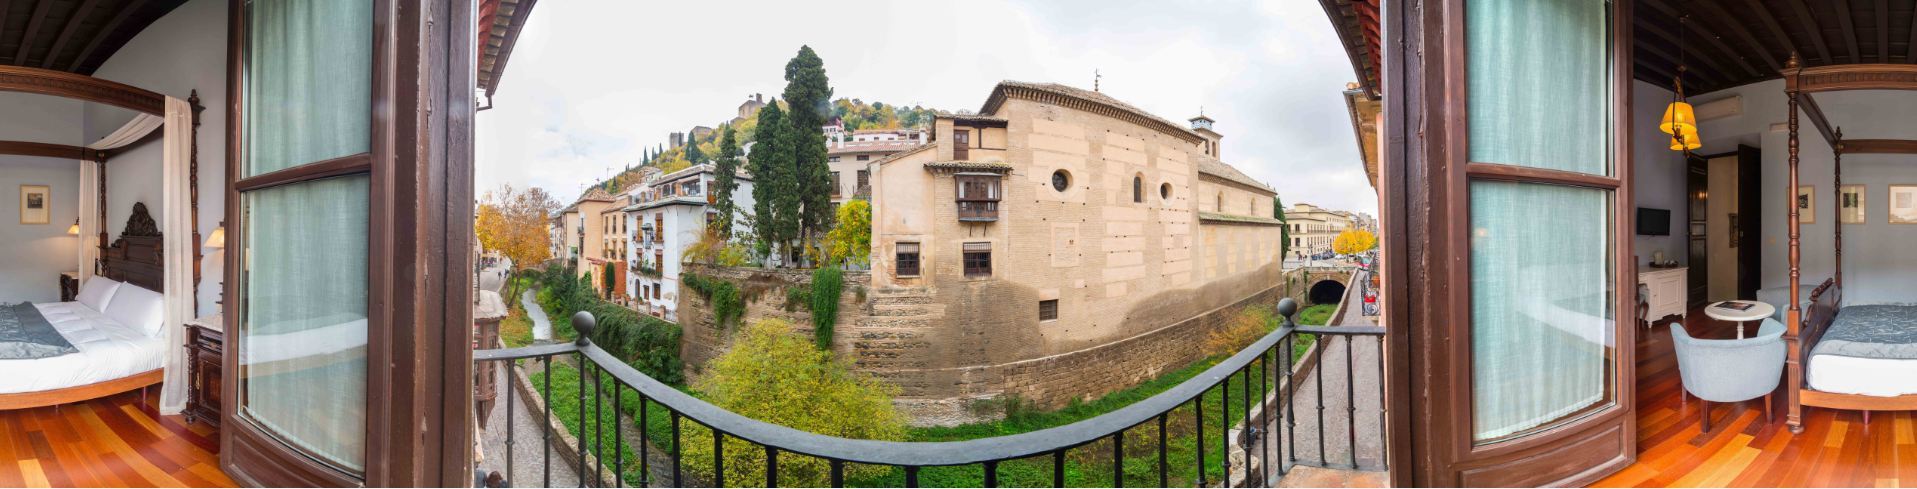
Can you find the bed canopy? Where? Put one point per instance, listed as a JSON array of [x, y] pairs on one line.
[[175, 122], [1806, 327]]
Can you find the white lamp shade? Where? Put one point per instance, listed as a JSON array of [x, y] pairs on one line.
[[217, 239]]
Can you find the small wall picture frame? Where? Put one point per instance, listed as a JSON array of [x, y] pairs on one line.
[[36, 204], [1850, 205], [1903, 204], [1807, 204]]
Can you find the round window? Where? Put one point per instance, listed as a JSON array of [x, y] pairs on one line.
[[1061, 180], [1164, 191]]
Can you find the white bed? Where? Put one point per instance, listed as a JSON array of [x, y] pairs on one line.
[[115, 327], [1882, 377], [108, 351]]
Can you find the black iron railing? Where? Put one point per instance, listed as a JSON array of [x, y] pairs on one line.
[[1256, 435]]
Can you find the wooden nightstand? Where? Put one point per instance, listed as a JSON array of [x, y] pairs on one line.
[[205, 341], [69, 286]]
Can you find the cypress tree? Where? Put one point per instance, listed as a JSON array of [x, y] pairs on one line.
[[809, 92], [692, 151], [775, 203], [726, 167], [1284, 228]]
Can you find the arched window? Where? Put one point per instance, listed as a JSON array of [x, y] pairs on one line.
[[1138, 188], [1220, 205]]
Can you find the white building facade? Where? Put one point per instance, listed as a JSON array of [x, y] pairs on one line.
[[669, 215]]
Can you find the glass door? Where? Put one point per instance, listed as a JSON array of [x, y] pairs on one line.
[[1508, 248], [304, 191]]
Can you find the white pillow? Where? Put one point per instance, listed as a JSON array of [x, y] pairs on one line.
[[138, 308], [97, 292]]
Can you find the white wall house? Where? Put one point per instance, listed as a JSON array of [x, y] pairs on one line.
[[667, 216]]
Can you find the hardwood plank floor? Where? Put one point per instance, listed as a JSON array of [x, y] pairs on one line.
[[108, 442], [1836, 448]]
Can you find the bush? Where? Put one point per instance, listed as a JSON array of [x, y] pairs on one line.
[[772, 375], [1247, 327], [827, 284], [727, 305], [648, 344]]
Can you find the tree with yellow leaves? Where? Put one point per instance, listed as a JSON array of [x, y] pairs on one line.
[[1354, 241], [515, 223]]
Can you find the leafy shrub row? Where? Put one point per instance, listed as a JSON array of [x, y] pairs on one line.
[[645, 342]]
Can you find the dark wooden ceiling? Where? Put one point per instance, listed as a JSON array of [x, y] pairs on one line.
[[74, 36], [1735, 42]]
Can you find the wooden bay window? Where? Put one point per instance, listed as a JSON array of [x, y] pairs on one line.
[[978, 196]]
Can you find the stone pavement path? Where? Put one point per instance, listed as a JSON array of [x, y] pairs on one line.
[[542, 327], [528, 463]]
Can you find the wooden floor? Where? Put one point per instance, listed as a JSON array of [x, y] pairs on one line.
[[109, 442], [1836, 448]]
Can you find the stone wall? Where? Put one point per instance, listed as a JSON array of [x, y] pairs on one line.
[[764, 293]]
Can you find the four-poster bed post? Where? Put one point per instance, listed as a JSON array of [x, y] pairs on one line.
[[1805, 326]]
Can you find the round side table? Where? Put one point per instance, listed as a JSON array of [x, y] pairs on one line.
[[1757, 312]]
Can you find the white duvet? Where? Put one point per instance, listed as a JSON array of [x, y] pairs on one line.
[[108, 351]]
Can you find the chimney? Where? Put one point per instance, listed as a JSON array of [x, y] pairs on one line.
[[1202, 126]]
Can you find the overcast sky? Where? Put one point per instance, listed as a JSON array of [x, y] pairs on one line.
[[592, 83]]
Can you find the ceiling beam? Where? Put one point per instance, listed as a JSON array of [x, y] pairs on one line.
[[33, 27], [1710, 38], [1658, 53], [1770, 24], [1910, 50], [1808, 104], [1845, 21], [1713, 11], [107, 30], [1817, 32], [1718, 71], [1883, 31], [1880, 146], [73, 23]]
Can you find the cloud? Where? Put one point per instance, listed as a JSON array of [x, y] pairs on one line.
[[593, 83]]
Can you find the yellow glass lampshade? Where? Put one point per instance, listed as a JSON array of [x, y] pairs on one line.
[[1678, 117], [1688, 141], [74, 230]]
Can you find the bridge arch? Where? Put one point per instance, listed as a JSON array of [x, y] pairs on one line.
[[1327, 291]]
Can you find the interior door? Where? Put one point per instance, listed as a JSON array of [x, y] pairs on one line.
[[1510, 209]]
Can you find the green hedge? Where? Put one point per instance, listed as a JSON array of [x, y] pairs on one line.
[[649, 344]]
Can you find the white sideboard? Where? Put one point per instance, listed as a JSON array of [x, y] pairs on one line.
[[1665, 291]]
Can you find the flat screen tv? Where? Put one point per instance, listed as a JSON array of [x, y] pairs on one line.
[[1653, 222]]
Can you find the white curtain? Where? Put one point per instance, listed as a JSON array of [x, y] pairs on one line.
[[1542, 318], [132, 132], [89, 218], [177, 223]]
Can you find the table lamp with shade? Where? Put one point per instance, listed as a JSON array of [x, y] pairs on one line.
[[217, 240]]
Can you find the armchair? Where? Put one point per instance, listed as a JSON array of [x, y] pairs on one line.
[[1731, 370]]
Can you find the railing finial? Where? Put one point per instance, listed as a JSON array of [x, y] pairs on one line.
[[1288, 308], [584, 323]]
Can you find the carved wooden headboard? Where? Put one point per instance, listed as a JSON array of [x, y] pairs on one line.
[[137, 257]]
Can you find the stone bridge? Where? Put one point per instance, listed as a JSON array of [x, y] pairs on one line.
[[1317, 284]]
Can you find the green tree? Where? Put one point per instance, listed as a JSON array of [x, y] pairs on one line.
[[693, 154], [809, 92], [774, 185], [772, 374], [1284, 228], [851, 238], [724, 183]]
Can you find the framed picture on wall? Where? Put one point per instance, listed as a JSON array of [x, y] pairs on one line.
[[1807, 204], [1850, 204], [35, 204], [1903, 204]]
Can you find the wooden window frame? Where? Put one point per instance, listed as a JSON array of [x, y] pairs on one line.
[[975, 208], [900, 268], [1425, 268], [419, 410], [967, 259], [961, 144]]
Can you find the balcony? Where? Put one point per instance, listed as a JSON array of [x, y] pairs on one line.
[[978, 210], [1303, 424]]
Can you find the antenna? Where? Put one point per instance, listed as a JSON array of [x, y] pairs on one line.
[[1095, 79]]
